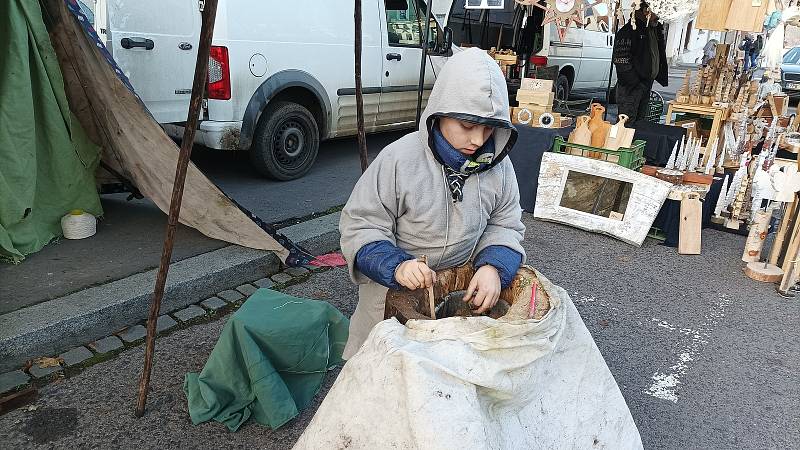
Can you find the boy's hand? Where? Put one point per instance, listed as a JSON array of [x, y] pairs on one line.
[[414, 274], [484, 288]]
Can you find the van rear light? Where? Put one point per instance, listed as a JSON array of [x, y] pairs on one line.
[[539, 61], [219, 74]]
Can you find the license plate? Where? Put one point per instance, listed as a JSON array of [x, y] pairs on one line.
[[793, 86]]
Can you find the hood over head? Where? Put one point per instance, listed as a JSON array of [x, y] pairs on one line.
[[470, 87]]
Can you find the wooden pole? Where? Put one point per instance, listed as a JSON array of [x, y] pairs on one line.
[[424, 63], [362, 138], [209, 14]]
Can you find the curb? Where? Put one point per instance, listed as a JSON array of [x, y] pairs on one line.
[[64, 323]]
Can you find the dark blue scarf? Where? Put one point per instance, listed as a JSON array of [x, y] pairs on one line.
[[457, 166]]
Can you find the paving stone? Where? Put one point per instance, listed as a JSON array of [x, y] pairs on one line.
[[247, 289], [12, 380], [107, 344], [230, 295], [213, 303], [265, 283], [189, 313], [39, 372], [281, 278], [165, 322], [296, 271], [76, 355], [133, 333]]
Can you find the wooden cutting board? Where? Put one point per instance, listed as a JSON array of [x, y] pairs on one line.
[[618, 135], [581, 135]]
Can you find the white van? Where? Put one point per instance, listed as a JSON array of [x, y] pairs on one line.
[[582, 55], [281, 74]]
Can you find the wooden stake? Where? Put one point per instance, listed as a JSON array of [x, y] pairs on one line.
[[362, 138], [780, 238], [431, 296], [209, 14]]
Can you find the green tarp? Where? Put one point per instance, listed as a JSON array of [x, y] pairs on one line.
[[47, 163], [269, 361]]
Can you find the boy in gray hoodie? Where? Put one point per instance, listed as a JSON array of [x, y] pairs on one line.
[[446, 191]]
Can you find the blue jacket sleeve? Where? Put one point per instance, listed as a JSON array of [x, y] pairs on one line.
[[502, 258], [378, 260]]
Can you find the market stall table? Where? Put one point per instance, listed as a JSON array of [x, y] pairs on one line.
[[526, 157]]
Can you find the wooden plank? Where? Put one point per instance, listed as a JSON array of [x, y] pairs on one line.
[[691, 225], [712, 14], [743, 16]]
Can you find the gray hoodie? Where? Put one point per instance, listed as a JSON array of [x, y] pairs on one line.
[[403, 196]]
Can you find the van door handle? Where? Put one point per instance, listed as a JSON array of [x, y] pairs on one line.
[[395, 56], [129, 43]]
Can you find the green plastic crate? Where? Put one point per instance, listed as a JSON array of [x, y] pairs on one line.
[[630, 158]]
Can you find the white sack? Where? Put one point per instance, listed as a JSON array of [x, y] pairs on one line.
[[477, 383]]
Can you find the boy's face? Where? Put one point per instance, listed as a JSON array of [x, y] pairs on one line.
[[466, 137]]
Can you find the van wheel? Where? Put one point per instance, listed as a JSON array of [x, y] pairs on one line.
[[285, 142], [562, 88]]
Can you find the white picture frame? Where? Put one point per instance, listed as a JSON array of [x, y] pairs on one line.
[[646, 198]]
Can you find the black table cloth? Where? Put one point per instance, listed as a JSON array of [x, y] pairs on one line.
[[660, 140], [526, 156]]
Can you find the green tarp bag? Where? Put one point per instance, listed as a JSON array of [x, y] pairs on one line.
[[269, 361]]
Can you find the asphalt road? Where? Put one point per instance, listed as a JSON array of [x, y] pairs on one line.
[[705, 358]]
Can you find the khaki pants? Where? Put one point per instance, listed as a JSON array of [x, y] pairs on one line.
[[369, 312]]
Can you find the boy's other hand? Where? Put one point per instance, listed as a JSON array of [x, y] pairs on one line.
[[414, 274], [484, 288]]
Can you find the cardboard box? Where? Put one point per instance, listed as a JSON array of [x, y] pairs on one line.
[[536, 84]]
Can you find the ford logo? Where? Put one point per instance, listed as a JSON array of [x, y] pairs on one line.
[[185, 46]]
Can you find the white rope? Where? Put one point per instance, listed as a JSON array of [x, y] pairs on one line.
[[78, 225]]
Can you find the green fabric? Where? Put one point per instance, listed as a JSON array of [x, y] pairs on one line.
[[269, 361], [47, 163]]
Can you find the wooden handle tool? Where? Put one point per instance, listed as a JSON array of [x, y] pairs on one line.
[[431, 298]]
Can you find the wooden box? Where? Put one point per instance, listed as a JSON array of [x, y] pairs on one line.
[[536, 108], [534, 97], [536, 84], [506, 59], [521, 116], [537, 120]]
